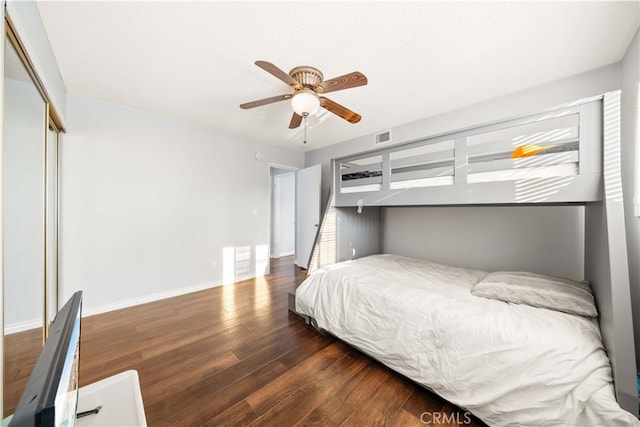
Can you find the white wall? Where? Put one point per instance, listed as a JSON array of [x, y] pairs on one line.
[[152, 207], [543, 239], [630, 173], [24, 136]]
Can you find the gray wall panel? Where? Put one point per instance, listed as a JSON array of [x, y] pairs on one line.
[[542, 239], [630, 138], [359, 234]]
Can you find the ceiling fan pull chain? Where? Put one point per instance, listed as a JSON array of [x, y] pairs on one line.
[[305, 128]]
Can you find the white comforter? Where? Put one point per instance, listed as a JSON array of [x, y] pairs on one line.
[[508, 364]]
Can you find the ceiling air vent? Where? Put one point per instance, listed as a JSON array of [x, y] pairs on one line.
[[382, 137]]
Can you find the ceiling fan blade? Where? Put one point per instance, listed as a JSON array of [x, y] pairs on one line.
[[265, 101], [277, 72], [296, 119], [347, 81], [339, 110]]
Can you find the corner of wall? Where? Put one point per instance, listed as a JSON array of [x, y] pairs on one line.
[[630, 136]]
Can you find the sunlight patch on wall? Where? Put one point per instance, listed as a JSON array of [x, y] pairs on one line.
[[262, 260], [228, 278], [539, 190], [244, 262], [548, 136], [228, 265], [611, 171], [324, 252], [239, 263], [228, 302]]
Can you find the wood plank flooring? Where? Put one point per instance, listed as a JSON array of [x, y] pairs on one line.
[[234, 355]]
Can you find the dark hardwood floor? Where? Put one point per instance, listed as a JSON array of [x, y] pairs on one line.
[[234, 355]]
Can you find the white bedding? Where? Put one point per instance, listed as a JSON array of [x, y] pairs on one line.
[[508, 364]]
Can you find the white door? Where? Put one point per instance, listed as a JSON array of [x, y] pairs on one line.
[[307, 212]]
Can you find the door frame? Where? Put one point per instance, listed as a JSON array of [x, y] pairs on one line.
[[270, 203]]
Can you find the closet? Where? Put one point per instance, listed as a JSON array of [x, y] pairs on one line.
[[30, 175]]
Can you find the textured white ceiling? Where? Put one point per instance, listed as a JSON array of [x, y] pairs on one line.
[[194, 61]]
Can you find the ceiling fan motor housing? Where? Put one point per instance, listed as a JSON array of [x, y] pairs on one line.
[[307, 76]]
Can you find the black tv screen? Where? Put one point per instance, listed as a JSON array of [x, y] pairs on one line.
[[51, 396]]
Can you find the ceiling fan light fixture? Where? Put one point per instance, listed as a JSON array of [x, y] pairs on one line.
[[305, 102]]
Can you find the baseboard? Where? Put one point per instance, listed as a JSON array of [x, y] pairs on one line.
[[91, 311], [14, 328], [17, 327], [283, 254]]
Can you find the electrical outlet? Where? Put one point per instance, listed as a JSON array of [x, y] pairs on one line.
[[214, 266]]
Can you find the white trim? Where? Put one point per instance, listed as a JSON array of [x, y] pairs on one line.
[[25, 325], [284, 254], [280, 255], [148, 298], [280, 166]]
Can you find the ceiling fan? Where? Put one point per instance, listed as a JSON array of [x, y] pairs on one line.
[[308, 85]]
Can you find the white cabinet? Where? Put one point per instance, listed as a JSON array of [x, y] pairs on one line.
[[120, 398]]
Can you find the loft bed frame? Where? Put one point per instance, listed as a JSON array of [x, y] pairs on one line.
[[475, 165], [575, 160]]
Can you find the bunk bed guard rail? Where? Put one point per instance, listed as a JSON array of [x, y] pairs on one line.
[[549, 157]]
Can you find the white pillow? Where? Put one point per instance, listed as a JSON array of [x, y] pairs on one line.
[[553, 293]]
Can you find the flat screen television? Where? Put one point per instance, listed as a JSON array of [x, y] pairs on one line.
[[51, 396]]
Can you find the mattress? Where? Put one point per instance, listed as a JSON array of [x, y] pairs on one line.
[[552, 171], [508, 364]]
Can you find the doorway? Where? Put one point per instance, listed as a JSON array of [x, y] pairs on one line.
[[294, 212], [283, 211]]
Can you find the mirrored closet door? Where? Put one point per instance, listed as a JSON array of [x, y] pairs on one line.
[[30, 172], [51, 225]]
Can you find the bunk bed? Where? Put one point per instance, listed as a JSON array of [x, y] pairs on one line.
[[509, 363]]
